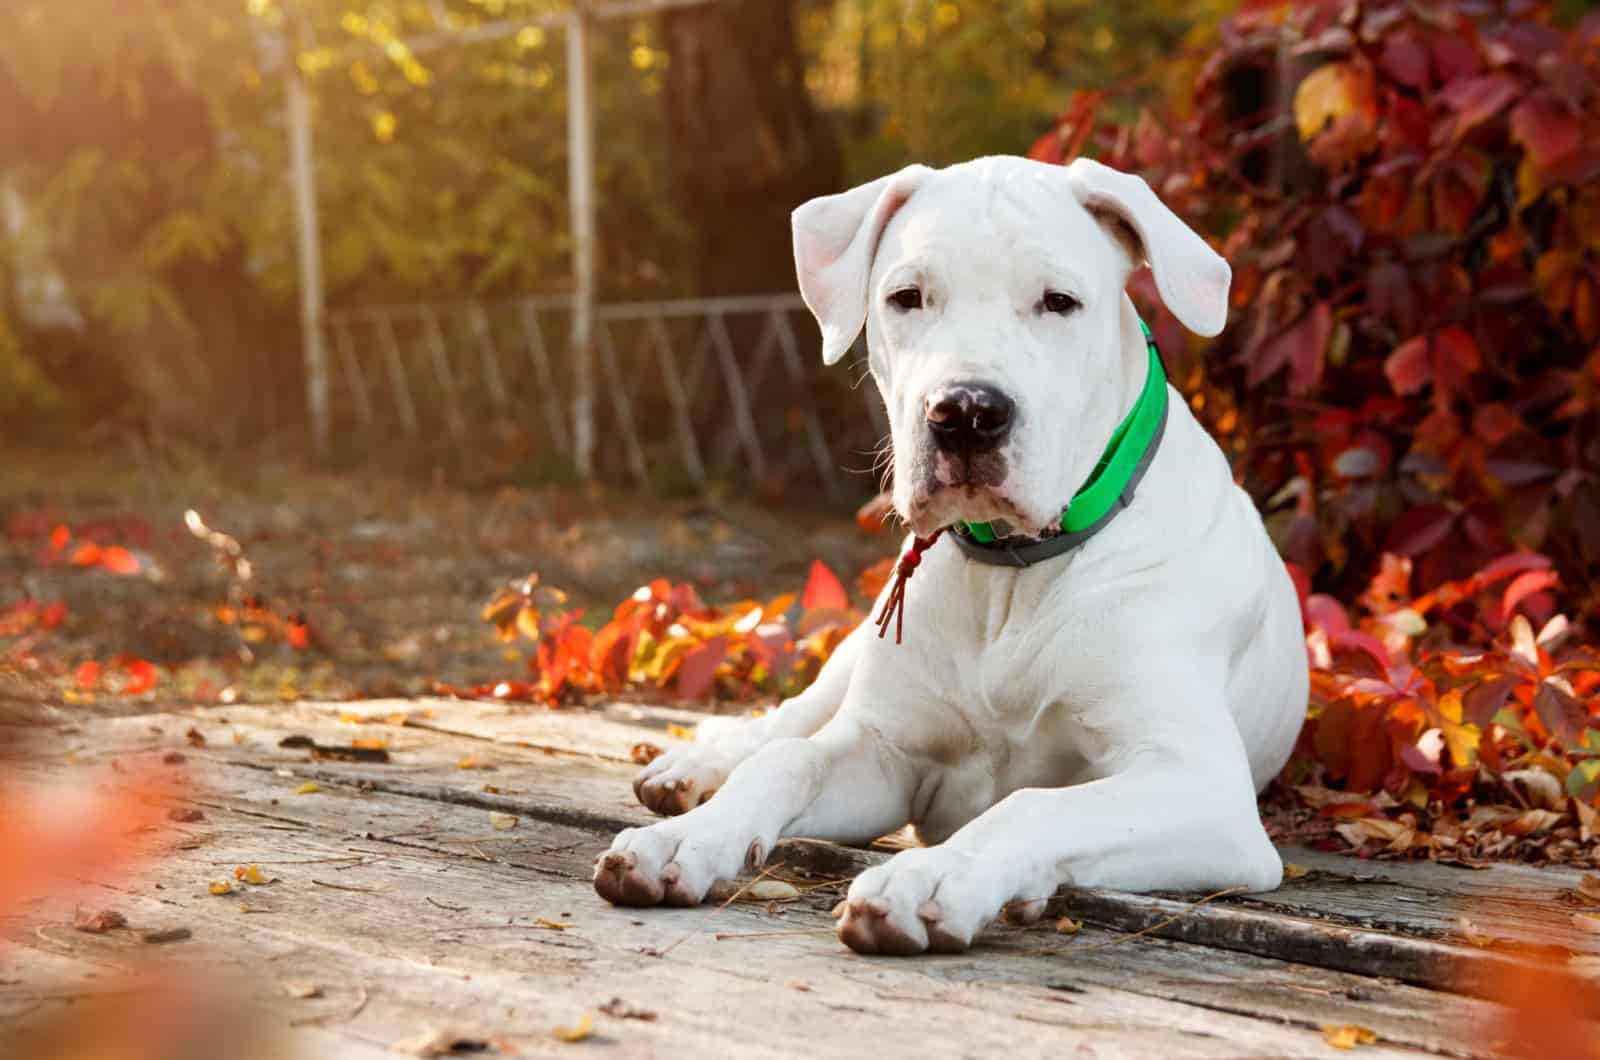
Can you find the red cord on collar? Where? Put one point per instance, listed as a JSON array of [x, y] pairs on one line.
[[894, 606]]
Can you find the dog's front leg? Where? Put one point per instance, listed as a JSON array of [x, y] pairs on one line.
[[1169, 817], [684, 777], [845, 783]]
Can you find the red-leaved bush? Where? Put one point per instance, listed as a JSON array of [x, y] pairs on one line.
[[1409, 195]]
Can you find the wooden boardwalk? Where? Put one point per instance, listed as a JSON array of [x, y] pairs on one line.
[[403, 904]]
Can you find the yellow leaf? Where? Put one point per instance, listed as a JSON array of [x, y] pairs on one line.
[[1347, 1035], [1330, 93], [370, 743], [353, 719], [397, 719], [680, 732], [1068, 926], [1291, 871], [253, 874], [502, 821], [469, 762], [578, 1033], [553, 925], [383, 126], [220, 887], [310, 787]]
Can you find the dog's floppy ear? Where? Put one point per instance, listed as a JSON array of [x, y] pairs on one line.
[[835, 237], [1192, 278]]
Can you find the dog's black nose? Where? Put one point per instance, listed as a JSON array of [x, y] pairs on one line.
[[969, 417]]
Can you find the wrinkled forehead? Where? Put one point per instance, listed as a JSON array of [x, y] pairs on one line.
[[996, 213]]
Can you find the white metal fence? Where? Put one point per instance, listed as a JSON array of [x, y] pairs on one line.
[[688, 392]]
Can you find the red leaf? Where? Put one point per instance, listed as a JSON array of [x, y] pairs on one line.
[[823, 589], [87, 676], [53, 615], [1546, 130], [1301, 347], [1327, 614], [86, 554], [1405, 60], [1524, 586], [1302, 590], [119, 560], [1407, 367], [58, 540], [1495, 422], [1477, 99], [698, 670], [1456, 358], [141, 677]]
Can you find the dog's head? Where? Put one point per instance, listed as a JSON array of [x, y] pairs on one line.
[[997, 329]]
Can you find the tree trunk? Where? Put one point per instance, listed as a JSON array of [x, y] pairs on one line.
[[748, 146]]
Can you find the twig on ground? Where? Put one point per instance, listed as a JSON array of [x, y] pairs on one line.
[[361, 1004], [343, 887], [441, 905]]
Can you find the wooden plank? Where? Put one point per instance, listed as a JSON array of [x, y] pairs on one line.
[[1518, 904], [257, 818], [456, 940]]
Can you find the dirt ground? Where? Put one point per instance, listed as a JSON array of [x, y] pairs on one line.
[[387, 574]]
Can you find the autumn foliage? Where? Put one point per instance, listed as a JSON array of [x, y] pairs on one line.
[[1409, 195], [664, 638]]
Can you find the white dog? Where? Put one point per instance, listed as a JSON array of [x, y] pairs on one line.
[[1095, 681]]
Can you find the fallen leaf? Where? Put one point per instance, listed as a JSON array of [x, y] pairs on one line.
[[502, 822], [578, 1032], [301, 989], [1291, 871], [553, 925], [644, 753], [252, 874], [442, 1043], [1068, 926], [370, 743], [470, 762], [99, 923], [617, 1008], [195, 737], [771, 891], [680, 732], [1347, 1035], [221, 887], [310, 787], [157, 938]]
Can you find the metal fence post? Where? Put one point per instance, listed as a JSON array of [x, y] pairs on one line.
[[580, 173]]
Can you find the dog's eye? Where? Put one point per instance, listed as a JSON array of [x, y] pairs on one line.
[[906, 299], [1058, 303]]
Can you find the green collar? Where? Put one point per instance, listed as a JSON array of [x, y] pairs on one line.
[[1109, 489]]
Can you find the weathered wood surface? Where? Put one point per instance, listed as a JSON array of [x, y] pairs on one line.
[[393, 885]]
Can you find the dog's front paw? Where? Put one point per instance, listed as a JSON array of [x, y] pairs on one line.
[[671, 864], [681, 778], [920, 900]]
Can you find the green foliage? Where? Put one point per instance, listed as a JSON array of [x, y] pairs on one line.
[[941, 81]]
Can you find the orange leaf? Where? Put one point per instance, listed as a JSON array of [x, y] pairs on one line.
[[86, 554], [119, 560], [141, 677], [874, 515], [823, 589], [87, 676]]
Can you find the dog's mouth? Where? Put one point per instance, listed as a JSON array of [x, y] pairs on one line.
[[939, 506]]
